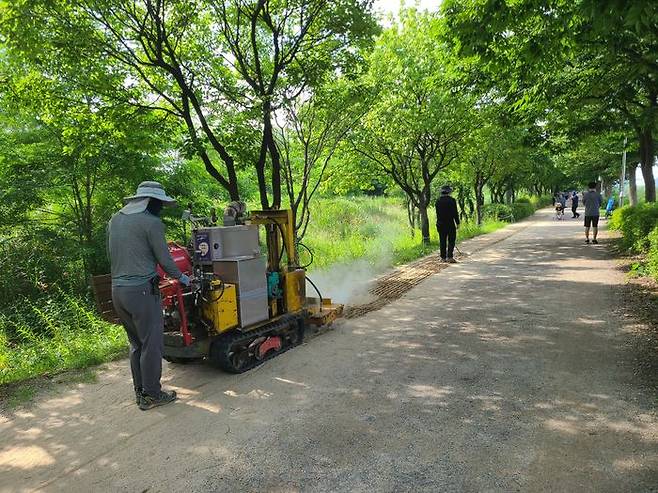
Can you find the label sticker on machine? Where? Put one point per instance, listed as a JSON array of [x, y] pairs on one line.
[[202, 246]]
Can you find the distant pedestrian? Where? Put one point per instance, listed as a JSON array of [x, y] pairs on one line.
[[447, 223], [562, 198], [592, 201], [574, 205], [136, 245], [610, 206]]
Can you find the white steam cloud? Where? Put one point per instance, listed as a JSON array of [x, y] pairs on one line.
[[348, 284]]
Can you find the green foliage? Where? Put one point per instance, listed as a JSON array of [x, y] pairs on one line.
[[345, 229], [652, 254], [34, 261], [216, 69], [498, 212], [636, 224], [539, 201], [523, 207], [639, 228], [52, 333], [522, 210]]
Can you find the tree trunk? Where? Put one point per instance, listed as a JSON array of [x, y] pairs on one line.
[[461, 202], [424, 223], [647, 156], [275, 157], [471, 206], [479, 201], [632, 184], [411, 215]]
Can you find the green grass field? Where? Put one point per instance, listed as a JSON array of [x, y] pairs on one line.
[[57, 331]]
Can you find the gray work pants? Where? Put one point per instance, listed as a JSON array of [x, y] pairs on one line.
[[140, 312]]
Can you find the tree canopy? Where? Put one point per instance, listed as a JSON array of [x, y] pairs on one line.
[[276, 102]]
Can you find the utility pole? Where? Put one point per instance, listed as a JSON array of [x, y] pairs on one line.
[[623, 175]]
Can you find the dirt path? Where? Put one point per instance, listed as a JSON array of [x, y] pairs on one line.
[[507, 372]]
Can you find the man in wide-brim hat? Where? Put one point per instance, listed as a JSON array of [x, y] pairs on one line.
[[136, 245], [447, 222]]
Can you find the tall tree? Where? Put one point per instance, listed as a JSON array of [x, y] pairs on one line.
[[605, 47], [419, 114], [310, 133], [202, 62]]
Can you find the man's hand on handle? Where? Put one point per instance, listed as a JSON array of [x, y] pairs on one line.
[[184, 280]]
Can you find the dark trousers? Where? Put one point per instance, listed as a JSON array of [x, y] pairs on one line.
[[447, 235], [140, 312], [573, 209]]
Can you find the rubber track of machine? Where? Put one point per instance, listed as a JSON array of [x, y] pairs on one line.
[[220, 350]]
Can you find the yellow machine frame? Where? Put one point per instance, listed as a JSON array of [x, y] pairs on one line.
[[279, 226]]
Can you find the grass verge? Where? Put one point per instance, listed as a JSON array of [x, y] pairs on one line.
[[53, 333]]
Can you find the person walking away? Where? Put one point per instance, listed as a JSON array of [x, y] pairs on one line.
[[592, 201], [447, 223], [574, 205], [136, 244]]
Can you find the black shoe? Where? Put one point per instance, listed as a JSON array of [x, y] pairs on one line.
[[595, 242], [451, 261], [442, 259], [149, 402], [138, 395], [587, 241]]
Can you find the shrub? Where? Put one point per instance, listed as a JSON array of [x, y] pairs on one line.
[[652, 257], [522, 209], [498, 212], [635, 224], [542, 201]]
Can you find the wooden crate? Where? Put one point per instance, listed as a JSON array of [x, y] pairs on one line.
[[102, 288]]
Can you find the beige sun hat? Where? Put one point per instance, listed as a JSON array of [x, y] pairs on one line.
[[145, 191]]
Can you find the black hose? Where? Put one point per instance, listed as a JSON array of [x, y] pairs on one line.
[[316, 290], [310, 252], [220, 294]]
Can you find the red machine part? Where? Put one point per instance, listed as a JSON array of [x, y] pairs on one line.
[[172, 291], [268, 344], [181, 258]]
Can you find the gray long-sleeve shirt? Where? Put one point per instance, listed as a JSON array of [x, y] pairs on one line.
[[136, 244]]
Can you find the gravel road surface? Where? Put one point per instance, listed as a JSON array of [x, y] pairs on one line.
[[510, 371]]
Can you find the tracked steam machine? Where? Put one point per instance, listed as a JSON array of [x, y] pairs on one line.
[[245, 303]]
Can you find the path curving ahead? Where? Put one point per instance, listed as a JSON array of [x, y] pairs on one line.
[[507, 372]]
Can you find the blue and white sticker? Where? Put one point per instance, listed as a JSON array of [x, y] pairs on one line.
[[202, 248]]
